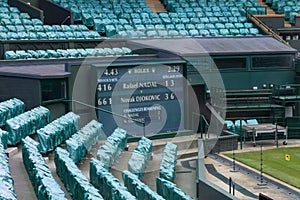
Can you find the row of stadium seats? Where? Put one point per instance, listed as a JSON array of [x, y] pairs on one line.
[[10, 108], [75, 182], [7, 184], [140, 156], [115, 23], [289, 8], [26, 124], [109, 186], [228, 10], [81, 142], [66, 53], [23, 35], [40, 175], [110, 151], [57, 131], [169, 190], [15, 25], [190, 33], [168, 163], [138, 188], [3, 138]]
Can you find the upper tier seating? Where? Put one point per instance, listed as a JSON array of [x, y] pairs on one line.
[[15, 25], [290, 8], [134, 19]]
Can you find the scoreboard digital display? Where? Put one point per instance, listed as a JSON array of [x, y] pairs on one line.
[[144, 99]]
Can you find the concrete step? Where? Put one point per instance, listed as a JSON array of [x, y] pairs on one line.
[[156, 6], [187, 153], [182, 142]]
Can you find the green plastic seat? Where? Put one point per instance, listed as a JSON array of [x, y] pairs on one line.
[[214, 32], [32, 36], [183, 33], [110, 30], [41, 35], [204, 33], [173, 33], [11, 55], [3, 36], [23, 35], [224, 32], [36, 21], [234, 31], [69, 35], [33, 54], [219, 26], [11, 28], [12, 36], [51, 35], [204, 20], [253, 31], [151, 34], [38, 28]]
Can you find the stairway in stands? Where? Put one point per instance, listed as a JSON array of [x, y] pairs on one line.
[[271, 12], [156, 6]]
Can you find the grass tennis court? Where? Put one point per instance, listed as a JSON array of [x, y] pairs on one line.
[[275, 163]]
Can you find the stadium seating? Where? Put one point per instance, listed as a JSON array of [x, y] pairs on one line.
[[289, 8], [168, 163], [140, 157], [10, 109], [3, 138], [110, 151], [26, 124], [109, 186], [75, 182], [120, 21], [66, 53], [15, 25], [7, 183], [81, 143], [169, 190], [57, 131], [138, 188], [39, 173]]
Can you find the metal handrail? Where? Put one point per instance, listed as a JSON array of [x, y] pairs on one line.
[[201, 125]]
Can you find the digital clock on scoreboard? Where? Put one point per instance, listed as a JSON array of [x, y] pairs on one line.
[[144, 98]]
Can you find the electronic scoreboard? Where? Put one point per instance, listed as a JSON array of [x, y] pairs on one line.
[[142, 98]]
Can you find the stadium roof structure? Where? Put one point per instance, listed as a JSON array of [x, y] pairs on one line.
[[35, 71], [214, 46]]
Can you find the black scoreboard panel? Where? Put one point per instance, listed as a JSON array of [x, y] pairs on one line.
[[142, 98]]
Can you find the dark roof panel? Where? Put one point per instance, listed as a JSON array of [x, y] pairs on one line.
[[218, 45], [35, 71]]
